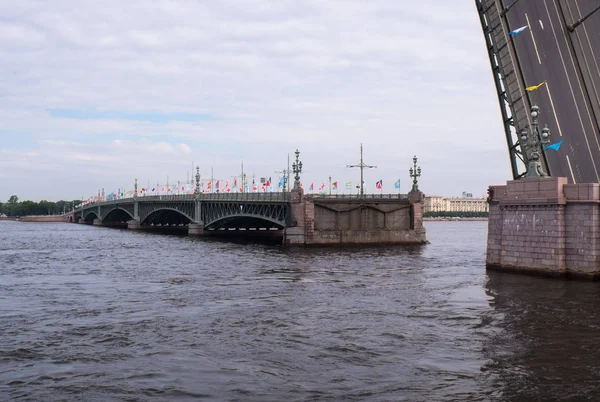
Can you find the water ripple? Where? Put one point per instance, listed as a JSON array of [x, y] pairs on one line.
[[104, 314]]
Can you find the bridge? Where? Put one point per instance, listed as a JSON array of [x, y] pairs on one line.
[[212, 211], [560, 49], [296, 218]]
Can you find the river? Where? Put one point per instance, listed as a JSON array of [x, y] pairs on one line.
[[97, 314]]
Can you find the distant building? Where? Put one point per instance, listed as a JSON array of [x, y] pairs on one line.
[[468, 203]]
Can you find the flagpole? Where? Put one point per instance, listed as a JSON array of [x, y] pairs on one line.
[[287, 181], [212, 180]]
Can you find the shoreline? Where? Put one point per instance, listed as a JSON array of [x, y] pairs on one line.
[[42, 218]]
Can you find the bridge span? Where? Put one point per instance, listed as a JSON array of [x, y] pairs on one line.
[[547, 53], [297, 218]]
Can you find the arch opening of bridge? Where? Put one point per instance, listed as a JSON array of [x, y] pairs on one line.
[[90, 216], [245, 222], [166, 217], [117, 216]]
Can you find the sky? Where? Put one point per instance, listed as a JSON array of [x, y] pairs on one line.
[[96, 94]]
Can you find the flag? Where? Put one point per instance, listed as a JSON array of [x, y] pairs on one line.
[[281, 181], [254, 187], [334, 185], [518, 31], [209, 185], [264, 189], [553, 146], [226, 183], [397, 184], [234, 183], [379, 184], [312, 186], [534, 87], [268, 183], [217, 185], [349, 185], [322, 186]]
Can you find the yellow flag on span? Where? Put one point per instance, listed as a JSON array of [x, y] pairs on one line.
[[534, 87]]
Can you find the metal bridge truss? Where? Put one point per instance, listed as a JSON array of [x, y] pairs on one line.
[[216, 214], [508, 77], [160, 210], [105, 210], [87, 213]]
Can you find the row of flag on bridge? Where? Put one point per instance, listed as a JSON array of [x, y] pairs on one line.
[[223, 186]]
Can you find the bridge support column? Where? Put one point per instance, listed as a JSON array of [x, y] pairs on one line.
[[196, 229], [134, 224], [296, 234]]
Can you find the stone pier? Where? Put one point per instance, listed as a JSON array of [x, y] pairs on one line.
[[372, 219], [545, 226]]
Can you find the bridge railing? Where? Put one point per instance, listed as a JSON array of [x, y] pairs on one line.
[[263, 197], [360, 197]]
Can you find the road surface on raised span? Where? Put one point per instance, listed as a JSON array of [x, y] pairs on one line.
[[568, 64]]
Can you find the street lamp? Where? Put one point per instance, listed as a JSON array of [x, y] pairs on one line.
[[531, 145], [197, 189], [297, 169], [415, 172]]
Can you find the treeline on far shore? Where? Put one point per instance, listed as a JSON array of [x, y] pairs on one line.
[[13, 207], [455, 214]]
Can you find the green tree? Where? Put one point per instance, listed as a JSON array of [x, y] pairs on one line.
[[13, 199]]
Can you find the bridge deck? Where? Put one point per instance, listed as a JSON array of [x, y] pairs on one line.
[[568, 63]]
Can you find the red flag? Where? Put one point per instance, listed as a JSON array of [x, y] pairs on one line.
[[379, 184]]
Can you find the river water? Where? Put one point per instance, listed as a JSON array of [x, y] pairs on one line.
[[97, 314]]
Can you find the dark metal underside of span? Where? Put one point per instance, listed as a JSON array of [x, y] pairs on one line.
[[560, 47], [214, 214]]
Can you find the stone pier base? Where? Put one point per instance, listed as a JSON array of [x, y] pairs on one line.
[[355, 220], [97, 222], [545, 226], [196, 229], [134, 224]]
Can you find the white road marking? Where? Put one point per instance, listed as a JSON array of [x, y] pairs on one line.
[[541, 24], [571, 169], [553, 110], [571, 88], [532, 38]]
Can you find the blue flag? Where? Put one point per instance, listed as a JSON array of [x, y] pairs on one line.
[[554, 146], [397, 184], [517, 31]]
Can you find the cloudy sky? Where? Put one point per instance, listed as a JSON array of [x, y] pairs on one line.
[[95, 94]]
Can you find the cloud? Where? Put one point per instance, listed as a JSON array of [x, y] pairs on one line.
[[154, 117], [125, 90]]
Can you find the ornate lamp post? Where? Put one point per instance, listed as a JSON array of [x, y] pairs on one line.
[[135, 189], [297, 169], [531, 145], [415, 172], [197, 189]]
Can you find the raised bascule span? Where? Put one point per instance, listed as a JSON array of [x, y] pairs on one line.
[[547, 53]]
